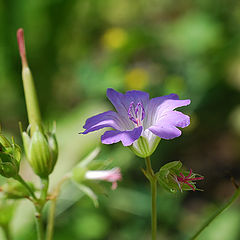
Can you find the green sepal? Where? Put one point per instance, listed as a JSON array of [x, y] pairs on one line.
[[53, 148], [9, 166], [89, 192], [78, 174], [143, 148], [39, 154], [166, 176], [41, 151], [4, 142]]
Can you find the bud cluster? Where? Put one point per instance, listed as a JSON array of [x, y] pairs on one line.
[[10, 156]]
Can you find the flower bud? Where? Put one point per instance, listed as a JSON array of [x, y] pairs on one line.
[[10, 155], [41, 151], [145, 147]]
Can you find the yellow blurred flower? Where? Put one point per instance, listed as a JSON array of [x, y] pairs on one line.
[[137, 79], [114, 38]]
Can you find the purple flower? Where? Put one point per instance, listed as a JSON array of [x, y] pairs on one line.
[[140, 122]]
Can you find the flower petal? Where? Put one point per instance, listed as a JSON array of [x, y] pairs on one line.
[[126, 137], [166, 127], [160, 105], [106, 119], [122, 102]]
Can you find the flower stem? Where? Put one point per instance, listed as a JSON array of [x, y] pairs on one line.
[[40, 231], [51, 218], [153, 181], [39, 205], [52, 210], [44, 191], [22, 181], [211, 219]]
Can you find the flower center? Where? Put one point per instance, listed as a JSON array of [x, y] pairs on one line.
[[136, 113]]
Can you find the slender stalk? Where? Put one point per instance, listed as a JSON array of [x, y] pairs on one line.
[[44, 191], [51, 218], [211, 219], [39, 208], [39, 223], [52, 210], [153, 181], [6, 231], [154, 209], [22, 181]]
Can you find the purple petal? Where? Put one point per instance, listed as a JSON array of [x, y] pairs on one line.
[[166, 127], [106, 119], [126, 137], [122, 102], [158, 106]]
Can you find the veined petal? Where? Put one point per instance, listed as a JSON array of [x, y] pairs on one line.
[[122, 102], [158, 106], [126, 137], [106, 119], [166, 127]]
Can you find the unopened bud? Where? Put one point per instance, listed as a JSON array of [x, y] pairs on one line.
[[41, 152]]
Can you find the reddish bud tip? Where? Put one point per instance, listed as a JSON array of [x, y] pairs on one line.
[[21, 45]]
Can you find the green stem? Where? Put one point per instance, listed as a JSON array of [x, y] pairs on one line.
[[51, 218], [153, 181], [52, 210], [44, 191], [22, 181], [40, 231], [39, 208], [6, 231], [211, 219]]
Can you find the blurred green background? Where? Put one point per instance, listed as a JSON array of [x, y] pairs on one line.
[[76, 50]]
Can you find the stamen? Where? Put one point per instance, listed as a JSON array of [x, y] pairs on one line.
[[188, 180], [136, 114]]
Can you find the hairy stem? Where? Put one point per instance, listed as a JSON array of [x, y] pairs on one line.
[[211, 219], [153, 181]]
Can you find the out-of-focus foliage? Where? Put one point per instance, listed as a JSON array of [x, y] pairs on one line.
[[77, 49]]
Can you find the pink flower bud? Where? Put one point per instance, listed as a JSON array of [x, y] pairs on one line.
[[112, 175]]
